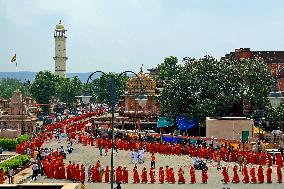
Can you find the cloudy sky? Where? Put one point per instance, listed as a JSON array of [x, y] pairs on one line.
[[118, 35]]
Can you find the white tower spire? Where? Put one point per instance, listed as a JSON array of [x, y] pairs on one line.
[[60, 50]]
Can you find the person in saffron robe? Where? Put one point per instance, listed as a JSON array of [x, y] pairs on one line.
[[92, 172], [135, 175], [279, 160], [225, 175], [172, 176], [152, 175], [236, 178], [107, 174], [82, 174], [167, 174], [252, 175], [144, 176], [118, 174], [161, 175], [269, 158], [61, 173], [260, 175], [279, 174], [85, 140], [77, 172], [106, 150], [125, 175], [56, 171], [192, 175], [268, 174], [181, 179], [204, 176], [68, 171], [1, 176], [91, 140], [246, 176]]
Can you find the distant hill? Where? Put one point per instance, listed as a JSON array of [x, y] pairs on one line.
[[31, 75]]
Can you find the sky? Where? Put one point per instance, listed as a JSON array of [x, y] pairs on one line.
[[119, 35]]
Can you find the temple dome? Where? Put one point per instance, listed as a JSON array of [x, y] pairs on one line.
[[134, 84], [60, 26]]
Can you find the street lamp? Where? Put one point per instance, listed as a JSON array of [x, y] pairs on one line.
[[142, 101], [23, 129], [85, 97], [275, 96]]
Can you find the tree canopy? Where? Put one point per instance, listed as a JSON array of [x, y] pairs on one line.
[[68, 89], [209, 87], [169, 68], [9, 85], [100, 88]]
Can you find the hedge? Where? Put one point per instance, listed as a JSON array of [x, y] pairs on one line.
[[15, 162], [8, 144], [23, 138]]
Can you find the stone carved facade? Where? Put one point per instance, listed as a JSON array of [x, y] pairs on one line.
[[17, 121]]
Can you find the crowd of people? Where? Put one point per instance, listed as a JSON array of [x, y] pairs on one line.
[[51, 162], [224, 153]]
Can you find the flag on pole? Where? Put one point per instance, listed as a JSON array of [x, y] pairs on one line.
[[14, 59]]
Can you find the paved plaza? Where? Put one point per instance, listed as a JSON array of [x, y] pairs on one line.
[[90, 154]]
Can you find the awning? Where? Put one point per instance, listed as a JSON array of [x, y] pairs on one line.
[[165, 122]]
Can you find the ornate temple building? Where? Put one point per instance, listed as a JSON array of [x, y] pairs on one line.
[[17, 120], [141, 83]]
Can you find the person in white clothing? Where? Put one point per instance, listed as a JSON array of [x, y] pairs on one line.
[[10, 175], [135, 157], [35, 171]]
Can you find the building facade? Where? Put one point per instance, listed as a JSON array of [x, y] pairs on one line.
[[271, 58], [129, 105], [60, 50]]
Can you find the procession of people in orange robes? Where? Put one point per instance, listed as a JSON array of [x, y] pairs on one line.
[[54, 167]]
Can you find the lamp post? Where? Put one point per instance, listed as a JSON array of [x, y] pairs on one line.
[[275, 96], [142, 100], [23, 129]]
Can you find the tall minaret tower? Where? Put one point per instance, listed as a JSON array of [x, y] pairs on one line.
[[60, 50]]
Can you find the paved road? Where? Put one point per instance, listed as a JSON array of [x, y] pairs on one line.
[[89, 155]]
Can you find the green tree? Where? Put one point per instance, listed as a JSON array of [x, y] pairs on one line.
[[44, 87], [208, 87], [202, 87], [100, 88], [256, 81], [68, 89], [169, 68], [9, 85]]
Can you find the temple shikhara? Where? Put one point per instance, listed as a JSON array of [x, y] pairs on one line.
[[130, 108]]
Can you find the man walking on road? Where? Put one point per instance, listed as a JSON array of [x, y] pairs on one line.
[[35, 170], [10, 175]]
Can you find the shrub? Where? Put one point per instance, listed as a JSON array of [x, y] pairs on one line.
[[15, 162], [8, 144], [23, 138]]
